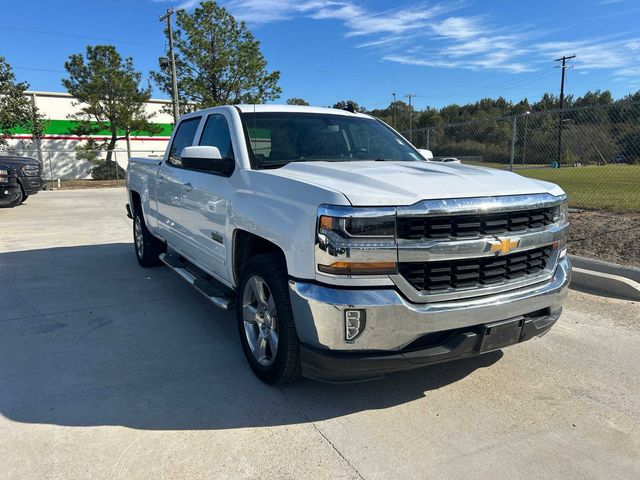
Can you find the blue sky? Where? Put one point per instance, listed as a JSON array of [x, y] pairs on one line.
[[444, 52]]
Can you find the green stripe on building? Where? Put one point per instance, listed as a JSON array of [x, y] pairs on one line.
[[67, 127]]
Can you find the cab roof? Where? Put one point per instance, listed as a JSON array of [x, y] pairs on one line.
[[285, 109]]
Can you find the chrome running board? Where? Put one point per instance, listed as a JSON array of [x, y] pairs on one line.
[[217, 293]]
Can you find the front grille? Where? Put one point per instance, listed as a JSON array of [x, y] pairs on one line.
[[463, 226], [441, 276]]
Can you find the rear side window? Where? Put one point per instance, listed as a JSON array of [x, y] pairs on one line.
[[216, 134], [183, 138]]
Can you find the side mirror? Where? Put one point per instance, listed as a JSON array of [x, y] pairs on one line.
[[426, 154], [206, 158]]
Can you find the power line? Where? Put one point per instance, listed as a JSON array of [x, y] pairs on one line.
[[38, 69], [481, 90], [497, 86], [70, 35]]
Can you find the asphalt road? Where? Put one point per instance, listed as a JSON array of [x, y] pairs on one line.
[[108, 370]]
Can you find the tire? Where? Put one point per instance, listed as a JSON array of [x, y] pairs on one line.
[[24, 198], [148, 248], [18, 200], [259, 318]]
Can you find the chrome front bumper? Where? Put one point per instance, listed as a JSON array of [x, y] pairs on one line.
[[392, 322]]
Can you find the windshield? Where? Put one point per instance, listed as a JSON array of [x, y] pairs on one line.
[[277, 138]]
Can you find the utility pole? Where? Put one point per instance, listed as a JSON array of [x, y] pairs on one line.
[[395, 108], [172, 61], [410, 96], [564, 60]]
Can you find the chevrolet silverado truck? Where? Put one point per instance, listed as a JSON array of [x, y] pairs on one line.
[[345, 253]]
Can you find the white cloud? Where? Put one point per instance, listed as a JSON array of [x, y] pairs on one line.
[[458, 28], [599, 53], [446, 40], [186, 4]]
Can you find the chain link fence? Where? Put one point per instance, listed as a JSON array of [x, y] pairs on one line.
[[591, 152], [69, 164]]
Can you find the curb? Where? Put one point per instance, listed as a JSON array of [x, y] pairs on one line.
[[605, 279]]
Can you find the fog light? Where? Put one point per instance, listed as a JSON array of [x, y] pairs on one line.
[[354, 323]]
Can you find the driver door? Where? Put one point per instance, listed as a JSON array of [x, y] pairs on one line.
[[206, 202], [170, 185]]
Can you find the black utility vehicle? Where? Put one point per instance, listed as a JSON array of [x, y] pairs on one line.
[[29, 175]]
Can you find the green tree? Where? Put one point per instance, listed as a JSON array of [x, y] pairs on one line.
[[297, 101], [218, 61], [107, 90], [16, 110], [344, 104]]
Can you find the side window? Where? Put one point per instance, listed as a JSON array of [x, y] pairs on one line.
[[183, 138], [216, 134]]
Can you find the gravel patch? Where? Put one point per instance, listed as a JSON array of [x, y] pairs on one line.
[[609, 236]]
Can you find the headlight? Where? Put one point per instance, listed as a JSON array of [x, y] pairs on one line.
[[356, 241], [4, 176], [30, 170], [562, 219], [376, 227], [563, 212]]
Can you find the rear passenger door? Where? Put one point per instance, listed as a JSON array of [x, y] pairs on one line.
[[205, 202], [170, 184]]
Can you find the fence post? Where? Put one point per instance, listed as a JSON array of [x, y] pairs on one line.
[[115, 160], [50, 169], [513, 143]]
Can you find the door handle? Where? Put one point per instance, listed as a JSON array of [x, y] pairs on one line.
[[188, 187]]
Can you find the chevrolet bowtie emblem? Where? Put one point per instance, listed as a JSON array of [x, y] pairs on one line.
[[504, 245]]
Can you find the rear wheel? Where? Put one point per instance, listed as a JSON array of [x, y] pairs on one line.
[[265, 320], [148, 248]]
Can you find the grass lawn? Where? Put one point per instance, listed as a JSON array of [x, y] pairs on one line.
[[609, 187]]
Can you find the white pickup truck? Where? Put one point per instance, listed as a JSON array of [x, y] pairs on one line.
[[345, 253]]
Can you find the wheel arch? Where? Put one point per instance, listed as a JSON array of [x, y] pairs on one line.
[[247, 245], [136, 201]]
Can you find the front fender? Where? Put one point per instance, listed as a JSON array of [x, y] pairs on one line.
[[282, 211]]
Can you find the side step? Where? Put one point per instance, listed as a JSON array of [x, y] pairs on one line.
[[217, 293]]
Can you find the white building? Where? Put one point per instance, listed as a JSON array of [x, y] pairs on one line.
[[57, 148]]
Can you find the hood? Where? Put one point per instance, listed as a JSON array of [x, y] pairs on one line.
[[19, 161], [369, 183]]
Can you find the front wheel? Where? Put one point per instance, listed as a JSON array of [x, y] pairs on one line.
[[19, 199], [265, 320], [148, 248]]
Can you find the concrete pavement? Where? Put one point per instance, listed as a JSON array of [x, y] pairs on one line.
[[108, 370]]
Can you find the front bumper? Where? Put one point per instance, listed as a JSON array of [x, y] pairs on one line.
[[331, 366], [31, 185], [393, 324], [9, 193]]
